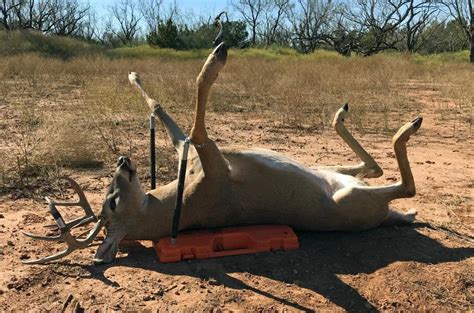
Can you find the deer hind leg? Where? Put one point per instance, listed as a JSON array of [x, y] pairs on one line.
[[365, 207], [406, 187], [174, 132], [212, 161], [368, 168]]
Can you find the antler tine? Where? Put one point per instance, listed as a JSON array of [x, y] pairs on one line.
[[82, 197], [218, 17], [72, 243], [40, 237], [218, 23], [53, 257], [83, 203]]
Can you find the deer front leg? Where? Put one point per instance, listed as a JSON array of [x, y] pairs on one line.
[[212, 161], [368, 168], [174, 132]]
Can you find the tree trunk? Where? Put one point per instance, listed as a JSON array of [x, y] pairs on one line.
[[471, 27], [472, 48]]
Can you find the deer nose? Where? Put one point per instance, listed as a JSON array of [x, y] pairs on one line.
[[123, 160]]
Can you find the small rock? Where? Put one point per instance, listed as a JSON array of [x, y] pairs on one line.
[[148, 298], [2, 216], [11, 285], [68, 300], [171, 288], [10, 243], [2, 291], [24, 256], [177, 293]]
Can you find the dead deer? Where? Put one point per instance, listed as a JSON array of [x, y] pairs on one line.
[[226, 187]]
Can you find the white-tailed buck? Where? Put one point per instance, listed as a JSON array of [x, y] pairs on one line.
[[227, 186]]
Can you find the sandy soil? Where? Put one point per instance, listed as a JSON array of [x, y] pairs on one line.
[[429, 265]]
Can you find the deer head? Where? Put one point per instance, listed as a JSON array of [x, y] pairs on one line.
[[123, 199]]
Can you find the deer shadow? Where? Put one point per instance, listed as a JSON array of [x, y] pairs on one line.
[[314, 266]]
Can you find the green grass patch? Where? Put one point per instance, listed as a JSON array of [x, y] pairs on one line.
[[27, 41]]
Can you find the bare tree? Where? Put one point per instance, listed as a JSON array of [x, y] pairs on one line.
[[252, 13], [379, 20], [90, 28], [274, 30], [345, 36], [68, 17], [311, 23], [7, 8], [61, 17], [31, 14], [420, 14], [151, 11], [463, 13], [125, 20]]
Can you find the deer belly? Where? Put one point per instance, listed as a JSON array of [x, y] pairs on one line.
[[297, 202]]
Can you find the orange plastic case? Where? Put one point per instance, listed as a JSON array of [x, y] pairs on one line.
[[203, 244]]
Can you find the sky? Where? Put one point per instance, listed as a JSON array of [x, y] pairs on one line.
[[197, 7]]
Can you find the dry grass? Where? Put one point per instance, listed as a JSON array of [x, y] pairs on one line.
[[82, 112]]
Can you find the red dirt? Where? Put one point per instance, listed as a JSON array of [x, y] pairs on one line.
[[426, 266]]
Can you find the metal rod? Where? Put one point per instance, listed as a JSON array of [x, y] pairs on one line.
[[152, 152], [179, 195]]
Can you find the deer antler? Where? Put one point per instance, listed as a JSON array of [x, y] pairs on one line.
[[65, 228], [218, 23]]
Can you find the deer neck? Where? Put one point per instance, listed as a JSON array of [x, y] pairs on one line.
[[153, 219]]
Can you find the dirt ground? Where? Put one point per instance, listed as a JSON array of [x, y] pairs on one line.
[[426, 266]]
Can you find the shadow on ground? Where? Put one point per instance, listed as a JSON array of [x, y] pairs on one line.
[[315, 266]]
